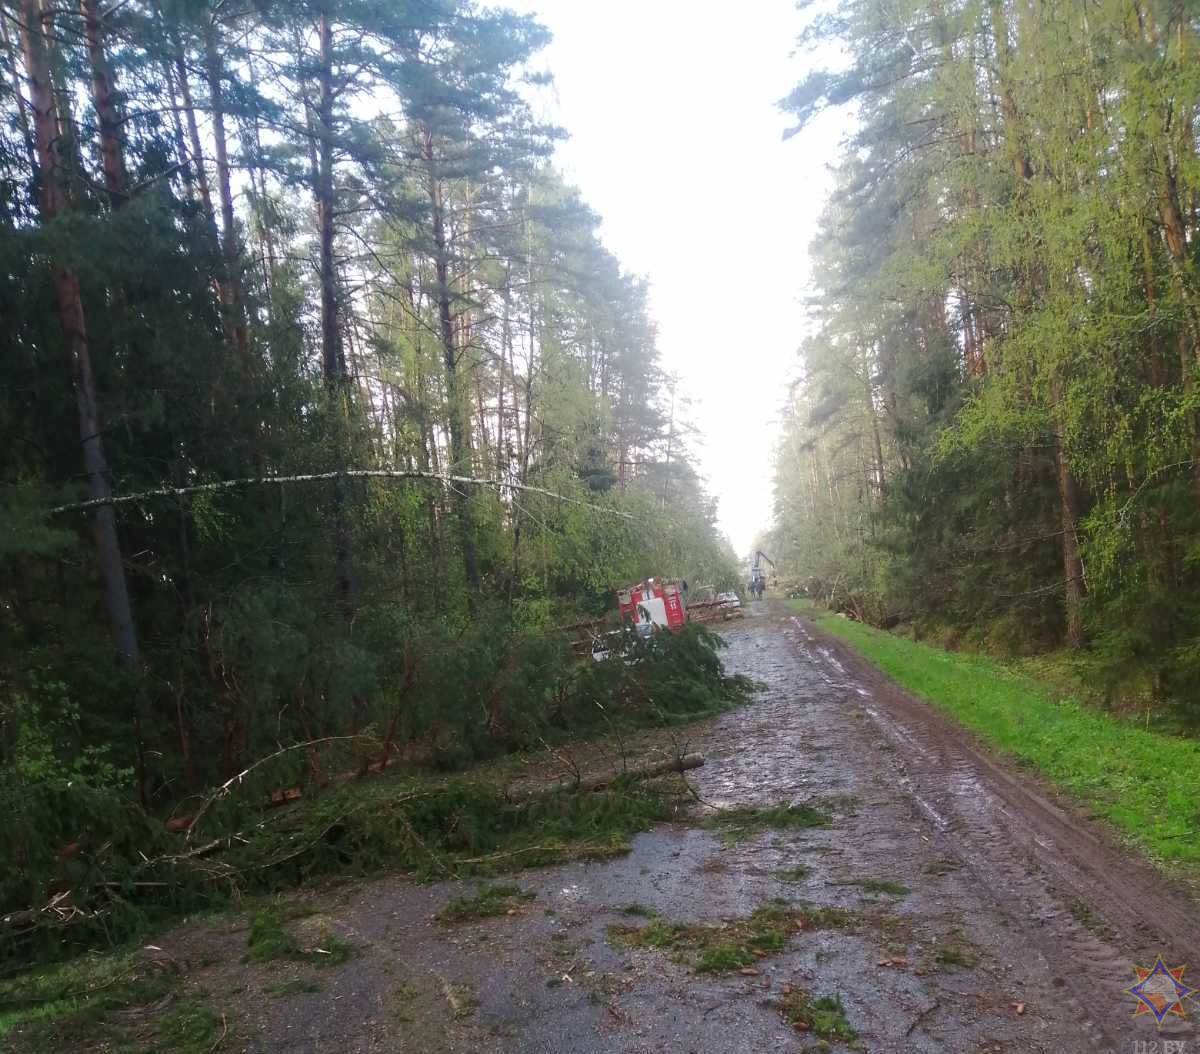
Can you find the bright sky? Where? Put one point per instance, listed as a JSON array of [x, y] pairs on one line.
[[676, 141]]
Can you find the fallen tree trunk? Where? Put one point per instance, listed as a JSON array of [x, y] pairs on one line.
[[601, 780]]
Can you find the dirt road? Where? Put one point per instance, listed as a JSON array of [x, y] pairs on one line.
[[988, 918]]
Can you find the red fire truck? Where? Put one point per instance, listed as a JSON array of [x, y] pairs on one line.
[[651, 604]]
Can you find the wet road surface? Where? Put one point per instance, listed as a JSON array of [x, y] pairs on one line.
[[1051, 913]]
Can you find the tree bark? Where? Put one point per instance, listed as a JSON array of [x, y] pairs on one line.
[[459, 421], [193, 128], [112, 150], [333, 356], [1068, 501], [22, 111], [69, 301], [230, 251]]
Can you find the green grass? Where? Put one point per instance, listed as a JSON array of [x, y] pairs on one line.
[[490, 899], [1146, 783], [745, 821], [954, 956], [880, 885], [118, 1002], [732, 944], [824, 1016], [269, 941]]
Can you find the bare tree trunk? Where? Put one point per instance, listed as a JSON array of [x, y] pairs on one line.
[[22, 109], [1068, 500], [230, 251], [505, 346], [71, 315], [112, 152], [460, 428], [193, 127], [181, 146], [877, 478], [333, 356], [265, 231], [200, 174]]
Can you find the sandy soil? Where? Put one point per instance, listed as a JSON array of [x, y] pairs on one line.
[[1054, 913]]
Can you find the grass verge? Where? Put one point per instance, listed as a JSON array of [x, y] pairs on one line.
[[1144, 782]]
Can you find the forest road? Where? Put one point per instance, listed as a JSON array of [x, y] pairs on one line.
[[989, 916]]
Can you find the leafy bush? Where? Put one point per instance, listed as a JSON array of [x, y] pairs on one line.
[[74, 831]]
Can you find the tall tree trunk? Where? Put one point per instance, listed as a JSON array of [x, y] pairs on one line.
[[19, 95], [1068, 501], [230, 251], [266, 234], [459, 419], [333, 356], [505, 346], [200, 174], [112, 151], [193, 127], [181, 146], [34, 35], [1028, 289]]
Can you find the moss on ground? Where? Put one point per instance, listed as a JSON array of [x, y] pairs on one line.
[[879, 885], [490, 899], [823, 1016], [955, 951]]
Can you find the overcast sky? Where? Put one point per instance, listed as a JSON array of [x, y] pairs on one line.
[[677, 142]]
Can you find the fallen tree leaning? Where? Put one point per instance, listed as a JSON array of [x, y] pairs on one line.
[[601, 780]]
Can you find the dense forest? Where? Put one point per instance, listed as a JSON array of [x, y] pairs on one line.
[[322, 402], [996, 429]]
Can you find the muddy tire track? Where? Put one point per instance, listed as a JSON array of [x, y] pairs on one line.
[[1089, 907]]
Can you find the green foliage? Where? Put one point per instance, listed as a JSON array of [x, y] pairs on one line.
[[1003, 366], [69, 817], [458, 826], [479, 328]]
